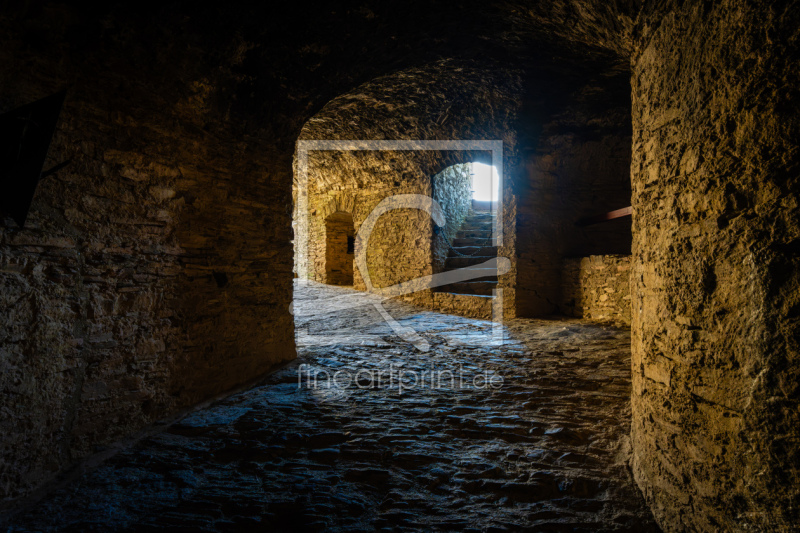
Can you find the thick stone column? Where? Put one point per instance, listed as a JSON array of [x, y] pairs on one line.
[[716, 283]]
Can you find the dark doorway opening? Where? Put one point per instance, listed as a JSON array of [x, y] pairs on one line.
[[339, 248]]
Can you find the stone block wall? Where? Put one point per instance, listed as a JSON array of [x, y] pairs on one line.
[[399, 247], [154, 270], [451, 189], [129, 294], [598, 288]]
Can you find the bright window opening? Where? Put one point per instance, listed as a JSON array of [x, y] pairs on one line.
[[485, 182]]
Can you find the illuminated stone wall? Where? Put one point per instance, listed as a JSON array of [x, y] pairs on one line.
[[716, 271], [598, 288]]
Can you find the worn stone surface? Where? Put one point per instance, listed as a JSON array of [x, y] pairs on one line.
[[598, 288], [716, 292], [467, 305], [543, 451]]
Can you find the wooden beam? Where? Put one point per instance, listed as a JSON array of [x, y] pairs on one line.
[[611, 215]]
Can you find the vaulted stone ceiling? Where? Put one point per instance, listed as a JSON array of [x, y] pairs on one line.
[[248, 67], [441, 100]]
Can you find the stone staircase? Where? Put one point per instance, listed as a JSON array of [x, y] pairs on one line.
[[473, 245]]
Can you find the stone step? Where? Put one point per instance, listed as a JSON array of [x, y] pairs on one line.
[[461, 262], [476, 226], [481, 274], [473, 241], [462, 233], [481, 288], [473, 250]]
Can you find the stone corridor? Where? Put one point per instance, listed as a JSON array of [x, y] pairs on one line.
[[541, 447]]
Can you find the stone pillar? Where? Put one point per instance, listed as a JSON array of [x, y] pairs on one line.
[[716, 283]]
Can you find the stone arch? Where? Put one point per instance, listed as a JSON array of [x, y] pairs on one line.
[[447, 99]]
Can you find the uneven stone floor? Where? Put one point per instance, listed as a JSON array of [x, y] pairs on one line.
[[542, 451]]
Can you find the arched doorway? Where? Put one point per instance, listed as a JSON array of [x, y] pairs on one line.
[[339, 248]]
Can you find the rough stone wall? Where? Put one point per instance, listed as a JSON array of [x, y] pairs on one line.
[[716, 268], [130, 299], [451, 189], [153, 271], [400, 248], [598, 288], [580, 167]]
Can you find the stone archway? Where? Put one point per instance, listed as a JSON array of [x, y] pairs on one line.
[[356, 180], [339, 248]]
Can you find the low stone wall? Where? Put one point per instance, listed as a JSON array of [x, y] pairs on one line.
[[598, 288]]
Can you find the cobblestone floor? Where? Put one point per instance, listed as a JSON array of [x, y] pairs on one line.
[[542, 451]]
